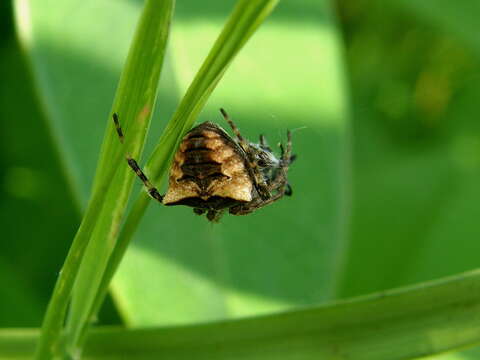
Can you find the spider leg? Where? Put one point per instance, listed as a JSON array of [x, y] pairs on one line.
[[243, 143], [263, 141], [199, 211], [287, 155], [282, 150], [259, 182], [250, 207], [288, 187], [264, 144], [152, 190], [288, 190], [280, 181], [118, 127], [214, 215]]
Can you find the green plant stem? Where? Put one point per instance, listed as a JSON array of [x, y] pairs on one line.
[[18, 343], [134, 100], [127, 233], [142, 73], [48, 343]]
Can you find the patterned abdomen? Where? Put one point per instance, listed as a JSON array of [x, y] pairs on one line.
[[208, 164]]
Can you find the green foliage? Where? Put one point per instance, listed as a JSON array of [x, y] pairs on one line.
[[95, 239], [34, 193], [403, 324], [416, 151], [408, 155], [232, 277]]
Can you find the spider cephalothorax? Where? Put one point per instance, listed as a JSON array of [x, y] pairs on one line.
[[212, 172]]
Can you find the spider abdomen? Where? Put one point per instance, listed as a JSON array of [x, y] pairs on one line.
[[212, 172], [208, 171]]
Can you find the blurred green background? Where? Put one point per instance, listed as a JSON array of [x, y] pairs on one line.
[[384, 96]]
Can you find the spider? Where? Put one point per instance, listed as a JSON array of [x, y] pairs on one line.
[[213, 172]]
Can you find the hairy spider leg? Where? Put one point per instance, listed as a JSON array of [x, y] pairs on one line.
[[152, 190], [264, 144], [259, 182], [243, 143], [250, 207], [214, 215], [199, 211], [288, 188], [280, 181], [282, 149], [118, 127], [245, 209]]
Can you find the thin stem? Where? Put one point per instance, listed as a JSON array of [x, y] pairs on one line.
[[134, 99], [48, 343]]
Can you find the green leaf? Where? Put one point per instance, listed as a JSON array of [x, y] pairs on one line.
[[416, 139], [401, 324], [416, 153], [76, 71], [250, 265], [33, 191]]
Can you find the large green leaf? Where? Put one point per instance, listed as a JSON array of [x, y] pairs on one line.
[[400, 324], [270, 260], [415, 90], [36, 202], [416, 153], [458, 19], [76, 64]]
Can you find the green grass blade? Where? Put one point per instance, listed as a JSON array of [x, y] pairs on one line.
[[401, 324], [421, 320], [54, 318], [134, 102], [244, 20]]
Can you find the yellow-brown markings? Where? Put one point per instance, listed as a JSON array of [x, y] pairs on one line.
[[201, 150]]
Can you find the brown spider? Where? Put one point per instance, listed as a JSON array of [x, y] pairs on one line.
[[212, 172]]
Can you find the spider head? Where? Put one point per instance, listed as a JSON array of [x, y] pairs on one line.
[[263, 156]]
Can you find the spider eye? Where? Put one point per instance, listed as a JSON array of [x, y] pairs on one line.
[[262, 163]]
